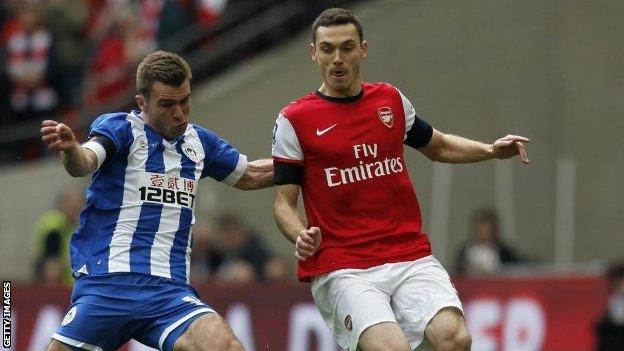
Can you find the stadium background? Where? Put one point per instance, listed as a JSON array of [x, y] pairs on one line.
[[550, 70]]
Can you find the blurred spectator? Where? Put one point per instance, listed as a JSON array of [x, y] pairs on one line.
[[53, 272], [276, 270], [67, 20], [238, 242], [112, 30], [485, 253], [209, 11], [183, 18], [174, 18], [149, 14], [28, 68], [27, 44], [610, 329], [237, 272], [233, 253], [53, 232], [205, 257]]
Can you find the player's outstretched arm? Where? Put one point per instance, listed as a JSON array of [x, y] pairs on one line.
[[450, 148], [289, 222], [258, 175], [77, 160]]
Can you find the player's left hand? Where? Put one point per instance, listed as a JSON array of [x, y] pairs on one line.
[[307, 243], [510, 146]]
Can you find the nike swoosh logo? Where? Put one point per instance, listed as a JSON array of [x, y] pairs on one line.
[[321, 132]]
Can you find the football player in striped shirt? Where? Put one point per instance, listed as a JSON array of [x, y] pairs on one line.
[[131, 253], [374, 280]]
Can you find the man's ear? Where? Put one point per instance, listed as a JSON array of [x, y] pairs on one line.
[[313, 51], [364, 46], [140, 100]]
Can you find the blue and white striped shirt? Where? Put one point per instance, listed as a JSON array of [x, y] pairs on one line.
[[139, 214]]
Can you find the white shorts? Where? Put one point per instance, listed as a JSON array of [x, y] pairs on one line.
[[406, 293]]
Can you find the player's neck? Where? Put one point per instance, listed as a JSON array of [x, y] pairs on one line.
[[352, 91]]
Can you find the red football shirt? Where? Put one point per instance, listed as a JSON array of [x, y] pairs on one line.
[[355, 183]]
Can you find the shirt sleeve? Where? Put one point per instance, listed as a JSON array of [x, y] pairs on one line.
[[107, 136], [287, 153], [286, 147], [102, 146], [417, 131], [223, 162]]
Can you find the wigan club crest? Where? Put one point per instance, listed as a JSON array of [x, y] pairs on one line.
[[193, 150], [385, 115]]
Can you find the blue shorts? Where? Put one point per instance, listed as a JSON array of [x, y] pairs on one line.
[[108, 310]]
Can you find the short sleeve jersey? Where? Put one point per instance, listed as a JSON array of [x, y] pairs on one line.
[[354, 182], [139, 207]]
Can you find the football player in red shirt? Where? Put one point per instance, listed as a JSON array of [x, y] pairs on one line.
[[373, 278]]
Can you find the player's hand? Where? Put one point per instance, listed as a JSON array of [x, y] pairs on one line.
[[307, 243], [510, 146], [58, 136]]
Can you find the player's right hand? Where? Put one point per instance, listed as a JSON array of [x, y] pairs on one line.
[[58, 136], [307, 243]]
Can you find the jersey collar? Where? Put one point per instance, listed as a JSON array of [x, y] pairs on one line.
[[341, 100]]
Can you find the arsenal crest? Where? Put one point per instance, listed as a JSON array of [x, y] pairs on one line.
[[385, 115]]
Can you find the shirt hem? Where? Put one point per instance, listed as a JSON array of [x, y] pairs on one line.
[[307, 277]]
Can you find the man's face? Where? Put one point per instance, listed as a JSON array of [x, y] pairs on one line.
[[484, 232], [338, 54], [167, 108]]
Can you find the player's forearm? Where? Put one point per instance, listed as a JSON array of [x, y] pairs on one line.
[[77, 161], [456, 149], [288, 220], [262, 172], [258, 175]]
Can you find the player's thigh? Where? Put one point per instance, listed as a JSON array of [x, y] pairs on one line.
[[385, 336], [207, 333], [447, 330], [425, 290], [349, 304], [56, 345]]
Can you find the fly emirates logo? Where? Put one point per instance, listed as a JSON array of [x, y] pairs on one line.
[[368, 167]]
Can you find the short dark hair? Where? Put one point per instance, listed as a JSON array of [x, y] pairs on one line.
[[336, 17], [487, 215], [161, 66]]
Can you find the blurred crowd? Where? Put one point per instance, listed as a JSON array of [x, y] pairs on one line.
[[58, 56]]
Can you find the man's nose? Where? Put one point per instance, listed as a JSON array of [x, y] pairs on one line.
[[178, 114], [337, 57]]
